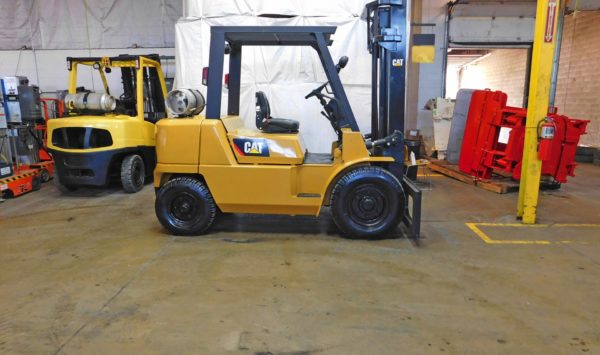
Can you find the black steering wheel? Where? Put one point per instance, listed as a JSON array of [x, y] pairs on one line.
[[317, 91]]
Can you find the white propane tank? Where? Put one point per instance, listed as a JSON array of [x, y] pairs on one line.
[[185, 102], [90, 101]]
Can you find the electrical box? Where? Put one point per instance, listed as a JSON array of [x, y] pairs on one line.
[[5, 155], [5, 169], [21, 100], [2, 115]]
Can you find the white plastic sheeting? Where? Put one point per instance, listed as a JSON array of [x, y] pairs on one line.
[[285, 74], [53, 74], [78, 24], [316, 8]]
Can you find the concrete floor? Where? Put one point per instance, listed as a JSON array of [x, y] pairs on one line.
[[93, 272]]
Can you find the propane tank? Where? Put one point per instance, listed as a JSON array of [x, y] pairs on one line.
[[90, 101], [546, 136], [185, 102]]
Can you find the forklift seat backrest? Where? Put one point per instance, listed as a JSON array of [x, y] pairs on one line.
[[263, 109], [268, 124]]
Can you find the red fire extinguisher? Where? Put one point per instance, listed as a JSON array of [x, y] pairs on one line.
[[546, 130]]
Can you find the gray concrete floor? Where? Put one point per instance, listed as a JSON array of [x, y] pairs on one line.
[[93, 272]]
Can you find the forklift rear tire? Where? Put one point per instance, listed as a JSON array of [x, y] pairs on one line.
[[133, 173], [184, 206], [367, 202], [62, 187]]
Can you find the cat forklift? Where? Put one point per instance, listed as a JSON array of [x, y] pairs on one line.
[[208, 164], [104, 137]]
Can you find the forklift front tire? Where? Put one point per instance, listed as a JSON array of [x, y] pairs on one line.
[[184, 206], [64, 188], [133, 173], [367, 202]]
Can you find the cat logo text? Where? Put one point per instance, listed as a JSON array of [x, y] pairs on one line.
[[251, 147], [397, 62]]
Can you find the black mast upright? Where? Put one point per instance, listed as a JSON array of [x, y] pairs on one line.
[[388, 42]]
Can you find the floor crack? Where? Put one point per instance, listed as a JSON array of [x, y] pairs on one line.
[[141, 269]]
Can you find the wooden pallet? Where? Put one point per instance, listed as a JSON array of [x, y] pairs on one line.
[[498, 184]]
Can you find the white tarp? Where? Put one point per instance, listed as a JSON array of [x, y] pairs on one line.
[[285, 74], [316, 8], [53, 74], [79, 24], [15, 25]]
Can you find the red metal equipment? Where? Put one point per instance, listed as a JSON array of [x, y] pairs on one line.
[[28, 177], [24, 181], [52, 108], [495, 134]]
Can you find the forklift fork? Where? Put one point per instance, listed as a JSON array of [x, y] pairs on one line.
[[412, 213]]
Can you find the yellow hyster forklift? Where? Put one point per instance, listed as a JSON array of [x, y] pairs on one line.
[[210, 164], [104, 137]]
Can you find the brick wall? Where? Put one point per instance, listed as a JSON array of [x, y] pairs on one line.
[[501, 69], [578, 90]]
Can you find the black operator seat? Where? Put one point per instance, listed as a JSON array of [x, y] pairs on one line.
[[268, 124]]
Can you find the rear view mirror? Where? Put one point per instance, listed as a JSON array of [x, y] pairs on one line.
[[342, 63]]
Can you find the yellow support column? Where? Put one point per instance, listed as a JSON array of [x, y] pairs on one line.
[[539, 93]]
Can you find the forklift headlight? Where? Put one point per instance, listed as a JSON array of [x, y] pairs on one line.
[[185, 102]]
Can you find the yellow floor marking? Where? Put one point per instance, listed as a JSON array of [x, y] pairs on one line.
[[588, 225], [475, 228]]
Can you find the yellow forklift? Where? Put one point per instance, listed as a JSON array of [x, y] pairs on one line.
[[104, 137], [209, 164]]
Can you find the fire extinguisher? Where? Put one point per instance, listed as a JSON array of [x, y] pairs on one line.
[[546, 130]]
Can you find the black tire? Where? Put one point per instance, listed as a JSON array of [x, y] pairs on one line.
[[550, 186], [184, 206], [133, 173], [45, 175], [64, 188], [367, 202], [36, 183]]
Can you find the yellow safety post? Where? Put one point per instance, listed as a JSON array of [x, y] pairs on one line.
[[539, 93]]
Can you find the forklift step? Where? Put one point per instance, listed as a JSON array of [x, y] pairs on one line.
[[318, 158]]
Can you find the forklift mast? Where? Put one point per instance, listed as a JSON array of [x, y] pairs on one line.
[[387, 36]]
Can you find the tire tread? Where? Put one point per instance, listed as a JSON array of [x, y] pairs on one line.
[[127, 176], [348, 177], [202, 190]]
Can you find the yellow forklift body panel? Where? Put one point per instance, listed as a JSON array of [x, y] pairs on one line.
[[125, 131], [177, 142], [257, 185], [256, 147]]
